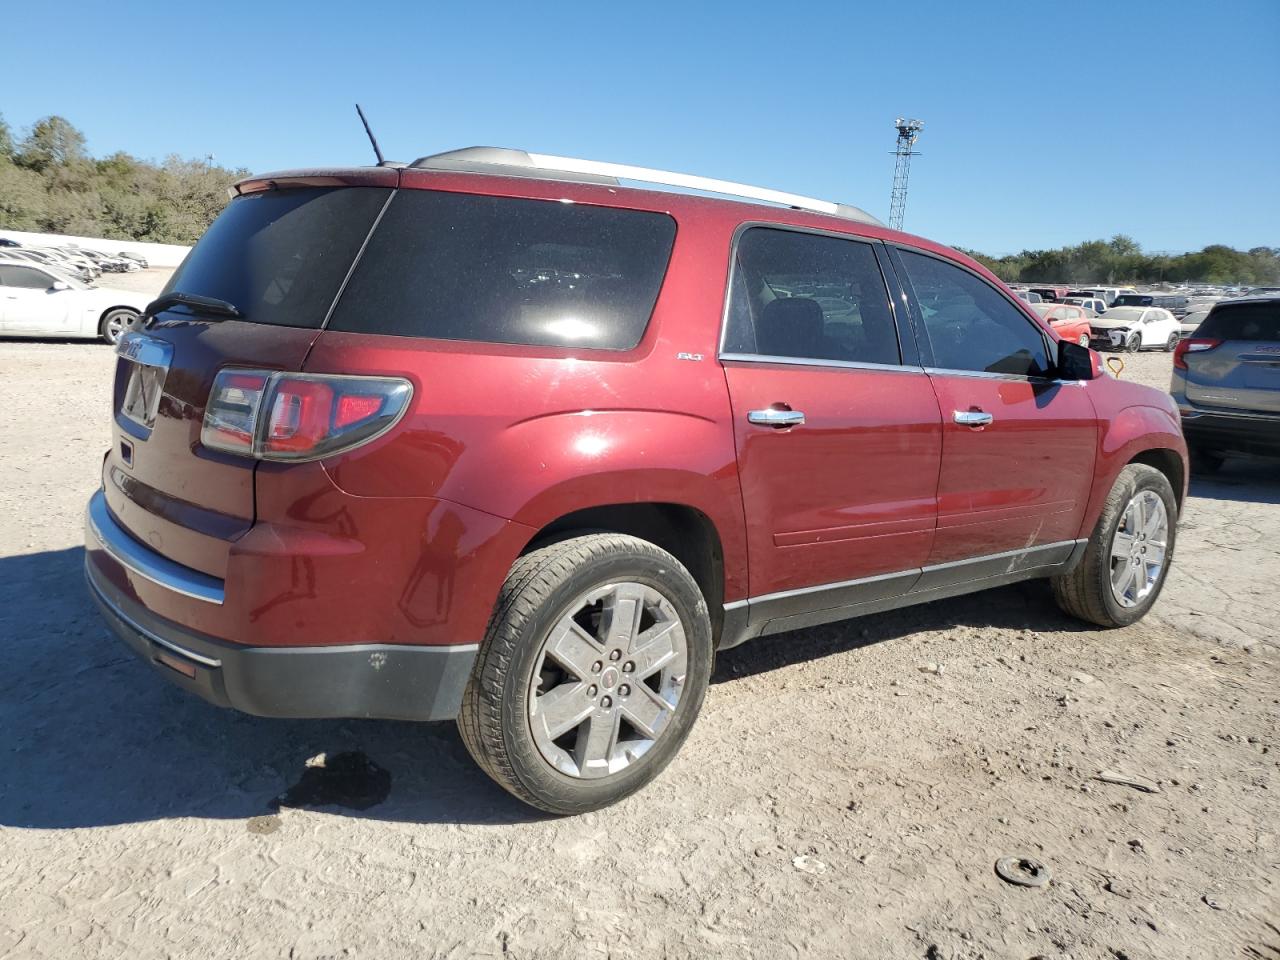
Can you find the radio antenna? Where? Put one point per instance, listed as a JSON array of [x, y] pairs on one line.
[[377, 152]]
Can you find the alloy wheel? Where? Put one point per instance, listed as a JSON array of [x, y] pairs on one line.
[[120, 322], [1138, 549], [607, 680]]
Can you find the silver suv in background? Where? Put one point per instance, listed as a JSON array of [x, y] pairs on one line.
[[1226, 382]]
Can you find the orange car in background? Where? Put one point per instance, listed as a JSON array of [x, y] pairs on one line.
[[1068, 322]]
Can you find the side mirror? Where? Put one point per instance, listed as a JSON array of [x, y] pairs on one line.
[[60, 285], [1075, 362]]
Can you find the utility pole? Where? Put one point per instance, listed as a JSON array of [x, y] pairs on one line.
[[908, 134]]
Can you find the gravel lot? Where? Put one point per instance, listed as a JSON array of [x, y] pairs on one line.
[[845, 794]]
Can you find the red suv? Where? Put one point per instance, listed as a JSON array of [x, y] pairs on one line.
[[491, 436]]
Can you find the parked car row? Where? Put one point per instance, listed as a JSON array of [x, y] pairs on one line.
[[82, 263]]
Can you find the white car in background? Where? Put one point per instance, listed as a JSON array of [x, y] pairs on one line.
[[38, 301], [1194, 318], [1136, 328]]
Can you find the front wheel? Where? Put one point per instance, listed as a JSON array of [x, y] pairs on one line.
[[1127, 558], [591, 673], [1084, 340], [1172, 343], [116, 323], [1133, 344]]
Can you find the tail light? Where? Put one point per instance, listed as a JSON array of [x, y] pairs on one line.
[[299, 416], [1192, 345]]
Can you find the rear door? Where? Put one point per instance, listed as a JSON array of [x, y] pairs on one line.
[[1243, 371], [280, 257], [837, 431], [1017, 445]]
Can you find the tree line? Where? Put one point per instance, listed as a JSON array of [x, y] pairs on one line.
[[1121, 260], [50, 184]]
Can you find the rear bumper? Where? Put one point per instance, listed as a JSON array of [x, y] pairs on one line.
[[371, 680], [1233, 433]]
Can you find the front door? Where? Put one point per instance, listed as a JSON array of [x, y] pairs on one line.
[[29, 304], [838, 440], [1018, 445]]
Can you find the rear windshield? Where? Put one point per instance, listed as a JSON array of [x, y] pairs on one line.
[[280, 256], [456, 266], [1243, 321], [1132, 300]]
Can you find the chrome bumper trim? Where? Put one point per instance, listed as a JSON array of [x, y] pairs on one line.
[[145, 562], [138, 628]]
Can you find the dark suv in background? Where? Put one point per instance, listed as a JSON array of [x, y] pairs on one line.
[[1226, 382], [495, 437]]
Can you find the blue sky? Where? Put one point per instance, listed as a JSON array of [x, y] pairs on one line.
[[1046, 123]]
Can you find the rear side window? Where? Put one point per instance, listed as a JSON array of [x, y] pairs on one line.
[[280, 256], [970, 325], [1243, 321], [810, 297], [457, 266]]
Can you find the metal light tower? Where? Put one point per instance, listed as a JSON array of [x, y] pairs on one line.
[[908, 134]]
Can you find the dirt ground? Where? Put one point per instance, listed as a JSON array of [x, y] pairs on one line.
[[846, 792]]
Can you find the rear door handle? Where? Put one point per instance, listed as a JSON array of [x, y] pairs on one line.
[[973, 418], [773, 417]]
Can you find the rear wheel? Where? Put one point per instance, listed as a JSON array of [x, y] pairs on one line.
[[1084, 340], [591, 674], [116, 323], [1127, 558], [1172, 343]]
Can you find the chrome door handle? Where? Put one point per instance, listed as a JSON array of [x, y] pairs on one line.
[[776, 418], [973, 418]]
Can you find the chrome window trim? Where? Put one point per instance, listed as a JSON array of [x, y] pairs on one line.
[[140, 629], [145, 562], [816, 362], [988, 375], [736, 239]]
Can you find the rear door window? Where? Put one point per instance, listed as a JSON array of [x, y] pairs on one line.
[[455, 266], [970, 325], [809, 296], [1256, 322], [280, 256]]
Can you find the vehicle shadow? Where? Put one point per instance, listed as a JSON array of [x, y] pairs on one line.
[[91, 736], [1022, 606], [1243, 479]]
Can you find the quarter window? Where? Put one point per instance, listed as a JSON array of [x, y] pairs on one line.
[[809, 296], [455, 266], [970, 325]]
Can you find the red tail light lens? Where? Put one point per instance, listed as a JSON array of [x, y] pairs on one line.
[[299, 416], [1192, 345]]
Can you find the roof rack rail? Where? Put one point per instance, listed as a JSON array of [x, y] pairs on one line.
[[519, 163]]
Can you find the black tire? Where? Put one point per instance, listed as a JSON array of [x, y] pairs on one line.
[[539, 590], [106, 324], [1204, 461], [1084, 340], [1133, 344], [1086, 591], [1172, 343]]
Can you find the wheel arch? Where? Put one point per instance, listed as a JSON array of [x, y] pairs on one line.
[[685, 532], [1171, 464]]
